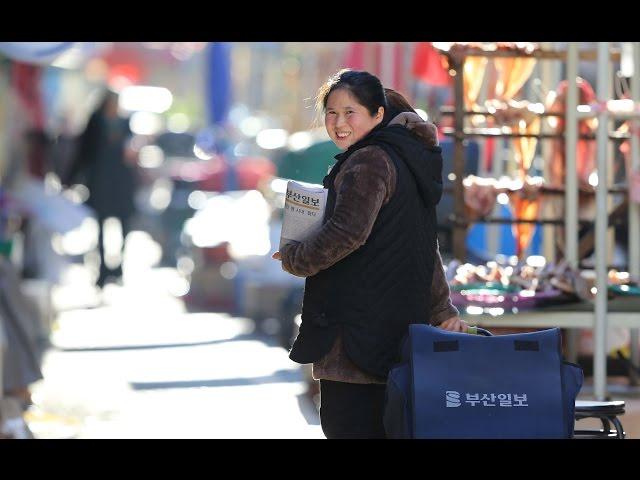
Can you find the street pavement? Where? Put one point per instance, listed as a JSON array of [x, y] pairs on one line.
[[133, 362]]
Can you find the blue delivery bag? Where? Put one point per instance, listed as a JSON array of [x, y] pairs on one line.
[[457, 385]]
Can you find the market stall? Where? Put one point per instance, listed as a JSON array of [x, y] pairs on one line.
[[564, 294]]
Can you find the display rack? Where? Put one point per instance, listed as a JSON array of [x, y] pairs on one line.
[[599, 319]]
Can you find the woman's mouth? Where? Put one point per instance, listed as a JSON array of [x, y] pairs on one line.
[[342, 135]]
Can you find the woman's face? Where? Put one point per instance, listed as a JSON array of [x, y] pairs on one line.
[[346, 120]]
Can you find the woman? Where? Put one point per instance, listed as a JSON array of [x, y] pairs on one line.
[[374, 267]]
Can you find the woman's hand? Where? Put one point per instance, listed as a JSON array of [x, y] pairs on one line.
[[454, 324], [276, 256]]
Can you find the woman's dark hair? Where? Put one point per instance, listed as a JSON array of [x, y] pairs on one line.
[[396, 104], [369, 92]]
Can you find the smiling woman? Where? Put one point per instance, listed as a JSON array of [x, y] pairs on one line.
[[373, 267], [353, 105]]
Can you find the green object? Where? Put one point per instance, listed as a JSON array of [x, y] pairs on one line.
[[485, 288], [625, 290], [308, 165], [5, 247]]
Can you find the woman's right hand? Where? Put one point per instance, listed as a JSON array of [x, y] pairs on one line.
[[454, 324]]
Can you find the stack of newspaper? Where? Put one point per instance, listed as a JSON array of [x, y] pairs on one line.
[[303, 211]]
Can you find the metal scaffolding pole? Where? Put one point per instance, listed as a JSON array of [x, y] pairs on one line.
[[571, 181], [550, 77], [634, 208], [601, 251], [460, 225], [571, 141]]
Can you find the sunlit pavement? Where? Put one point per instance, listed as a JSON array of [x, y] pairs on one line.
[[131, 362]]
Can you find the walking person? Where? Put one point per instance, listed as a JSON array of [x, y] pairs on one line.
[[107, 162], [374, 267]]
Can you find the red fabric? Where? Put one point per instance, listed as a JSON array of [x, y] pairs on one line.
[[374, 58], [125, 61], [428, 65], [354, 57], [398, 66], [251, 171], [209, 175], [364, 56], [490, 146], [585, 149], [368, 56], [26, 82]]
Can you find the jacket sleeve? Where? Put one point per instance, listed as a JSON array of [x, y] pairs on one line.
[[441, 307], [365, 183]]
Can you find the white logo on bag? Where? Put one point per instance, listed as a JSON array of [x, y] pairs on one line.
[[486, 399], [453, 398]]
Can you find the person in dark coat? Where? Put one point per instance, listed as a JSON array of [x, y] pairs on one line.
[[105, 163], [374, 267]]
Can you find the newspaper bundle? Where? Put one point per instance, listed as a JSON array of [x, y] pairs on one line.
[[303, 211]]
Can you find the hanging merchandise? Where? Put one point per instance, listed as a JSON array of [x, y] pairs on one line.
[[525, 147], [586, 148], [474, 68], [479, 196], [525, 207], [632, 175], [512, 73]]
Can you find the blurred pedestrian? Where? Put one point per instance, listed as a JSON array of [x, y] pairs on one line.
[[374, 267], [106, 163]]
